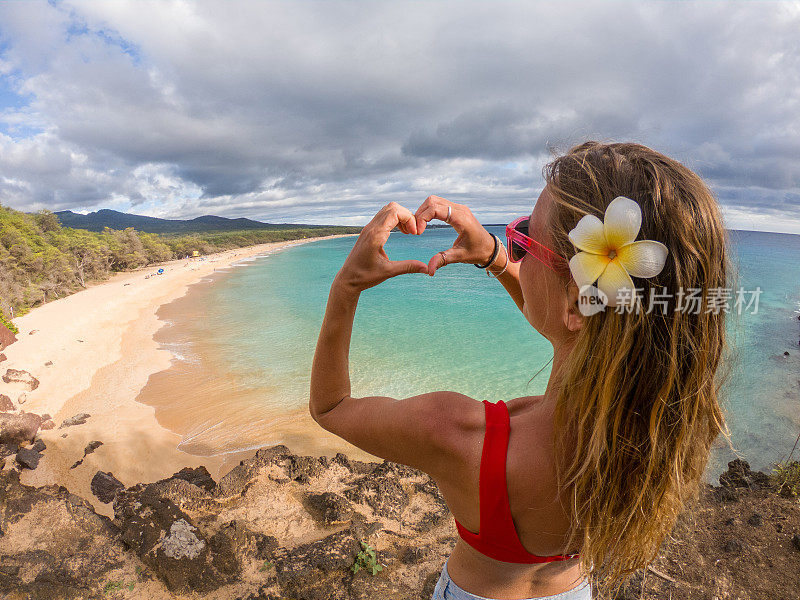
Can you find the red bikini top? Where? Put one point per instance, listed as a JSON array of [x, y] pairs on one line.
[[497, 536]]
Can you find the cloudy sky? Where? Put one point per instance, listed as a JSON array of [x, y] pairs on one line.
[[322, 112]]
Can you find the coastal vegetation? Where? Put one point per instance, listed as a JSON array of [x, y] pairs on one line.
[[40, 260]]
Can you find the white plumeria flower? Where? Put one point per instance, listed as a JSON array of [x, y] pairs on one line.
[[610, 255]]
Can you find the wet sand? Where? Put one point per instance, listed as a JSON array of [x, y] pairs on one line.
[[214, 412]]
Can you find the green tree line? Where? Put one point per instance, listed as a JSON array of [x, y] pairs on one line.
[[40, 260]]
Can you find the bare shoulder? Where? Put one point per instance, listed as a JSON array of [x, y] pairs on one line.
[[427, 431], [524, 404]]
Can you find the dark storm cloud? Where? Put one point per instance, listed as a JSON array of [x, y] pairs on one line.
[[323, 112]]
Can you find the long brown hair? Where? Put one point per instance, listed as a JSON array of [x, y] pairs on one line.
[[638, 397]]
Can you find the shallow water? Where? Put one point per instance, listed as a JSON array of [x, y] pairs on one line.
[[244, 342]]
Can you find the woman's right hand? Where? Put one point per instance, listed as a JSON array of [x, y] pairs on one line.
[[473, 245]]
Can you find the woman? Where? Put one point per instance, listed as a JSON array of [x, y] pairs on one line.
[[586, 480]]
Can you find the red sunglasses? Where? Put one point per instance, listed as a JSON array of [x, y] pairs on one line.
[[519, 242]]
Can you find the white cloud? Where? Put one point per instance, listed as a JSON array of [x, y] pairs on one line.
[[323, 111]]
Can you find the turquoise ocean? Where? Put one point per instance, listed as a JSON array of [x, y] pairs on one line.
[[252, 329]]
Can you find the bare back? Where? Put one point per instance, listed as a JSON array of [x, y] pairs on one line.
[[540, 519]]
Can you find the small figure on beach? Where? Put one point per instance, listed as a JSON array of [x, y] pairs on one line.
[[585, 481]]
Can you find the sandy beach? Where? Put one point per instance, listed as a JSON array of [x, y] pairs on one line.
[[93, 352]]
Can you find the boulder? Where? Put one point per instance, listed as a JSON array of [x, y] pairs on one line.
[[28, 458], [21, 377], [39, 445], [18, 428], [384, 494], [199, 477], [54, 545], [167, 540], [739, 474], [7, 337], [282, 466], [251, 543], [328, 508], [48, 424], [78, 419], [6, 450], [105, 486], [6, 404], [320, 570], [91, 447]]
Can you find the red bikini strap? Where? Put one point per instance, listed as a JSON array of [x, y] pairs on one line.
[[496, 521]]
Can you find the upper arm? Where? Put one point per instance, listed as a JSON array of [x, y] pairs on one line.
[[421, 431]]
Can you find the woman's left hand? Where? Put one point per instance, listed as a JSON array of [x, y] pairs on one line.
[[367, 264]]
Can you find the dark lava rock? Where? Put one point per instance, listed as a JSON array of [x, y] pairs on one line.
[[291, 467], [6, 404], [74, 547], [28, 458], [341, 459], [249, 542], [23, 377], [18, 428], [733, 546], [755, 520], [105, 486], [796, 541], [39, 445], [170, 544], [384, 495], [320, 570], [328, 508], [78, 419], [786, 353], [7, 449], [91, 447], [199, 477], [740, 475]]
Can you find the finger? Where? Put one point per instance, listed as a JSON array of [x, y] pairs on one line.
[[403, 267], [399, 216], [434, 207], [390, 216], [437, 261], [454, 255]]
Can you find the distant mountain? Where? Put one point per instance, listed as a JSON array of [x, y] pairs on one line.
[[96, 221]]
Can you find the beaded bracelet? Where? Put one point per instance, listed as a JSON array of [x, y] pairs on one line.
[[494, 254]]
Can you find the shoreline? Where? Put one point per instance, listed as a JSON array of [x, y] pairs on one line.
[[199, 398], [101, 351]]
